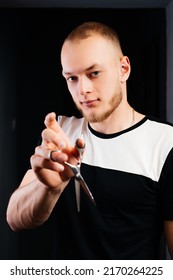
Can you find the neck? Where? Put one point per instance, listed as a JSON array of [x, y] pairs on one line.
[[118, 121]]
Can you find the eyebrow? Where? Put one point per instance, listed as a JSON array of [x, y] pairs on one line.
[[87, 69]]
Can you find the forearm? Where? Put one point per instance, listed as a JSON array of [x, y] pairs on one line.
[[31, 205]]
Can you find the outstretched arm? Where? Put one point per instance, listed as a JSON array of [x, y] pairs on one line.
[[33, 201]]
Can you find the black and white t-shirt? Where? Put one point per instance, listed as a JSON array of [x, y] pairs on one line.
[[130, 175]]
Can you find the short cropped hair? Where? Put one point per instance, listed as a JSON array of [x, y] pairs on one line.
[[86, 29]]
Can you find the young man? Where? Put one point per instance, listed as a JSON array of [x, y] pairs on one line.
[[127, 162]]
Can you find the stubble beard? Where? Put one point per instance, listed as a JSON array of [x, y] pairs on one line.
[[100, 117]]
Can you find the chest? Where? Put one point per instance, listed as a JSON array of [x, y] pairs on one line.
[[116, 190]]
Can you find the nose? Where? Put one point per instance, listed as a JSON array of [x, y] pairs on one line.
[[84, 86]]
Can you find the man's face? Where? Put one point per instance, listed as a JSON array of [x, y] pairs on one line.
[[91, 68]]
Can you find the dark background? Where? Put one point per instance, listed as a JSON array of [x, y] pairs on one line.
[[32, 86]]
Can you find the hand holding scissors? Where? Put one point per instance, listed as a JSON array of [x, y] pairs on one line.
[[76, 170]]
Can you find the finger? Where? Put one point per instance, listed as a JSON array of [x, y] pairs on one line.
[[80, 147], [53, 140], [80, 144], [38, 162], [51, 122], [57, 156], [48, 145], [53, 155]]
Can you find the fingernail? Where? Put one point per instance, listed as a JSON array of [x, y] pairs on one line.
[[61, 168]]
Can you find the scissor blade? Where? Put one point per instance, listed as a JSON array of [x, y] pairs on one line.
[[81, 180], [85, 188], [77, 189]]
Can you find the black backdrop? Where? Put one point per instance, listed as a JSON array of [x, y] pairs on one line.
[[37, 35]]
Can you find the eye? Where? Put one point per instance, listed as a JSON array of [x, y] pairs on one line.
[[95, 74], [71, 79]]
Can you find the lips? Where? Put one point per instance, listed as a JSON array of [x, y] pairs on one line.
[[89, 103]]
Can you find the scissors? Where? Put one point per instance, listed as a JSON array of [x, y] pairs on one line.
[[79, 178]]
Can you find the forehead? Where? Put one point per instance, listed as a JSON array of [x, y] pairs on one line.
[[92, 50]]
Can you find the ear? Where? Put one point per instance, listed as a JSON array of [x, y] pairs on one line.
[[125, 68]]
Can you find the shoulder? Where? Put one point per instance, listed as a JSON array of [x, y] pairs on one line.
[[159, 127], [160, 134]]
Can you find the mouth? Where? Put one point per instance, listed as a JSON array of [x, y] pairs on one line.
[[89, 103]]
